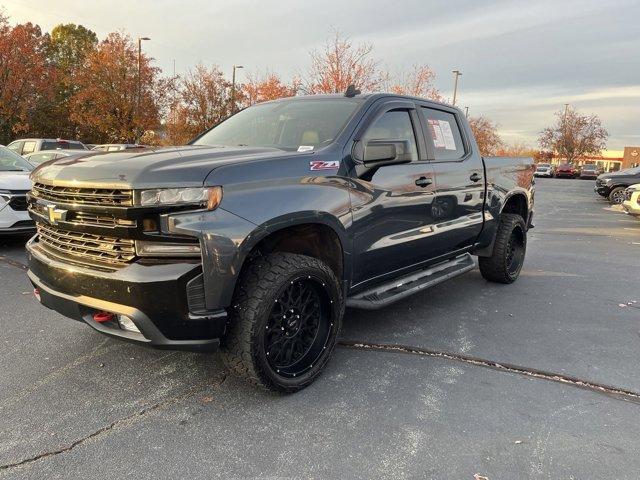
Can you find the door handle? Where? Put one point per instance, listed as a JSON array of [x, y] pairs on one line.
[[475, 177], [424, 182]]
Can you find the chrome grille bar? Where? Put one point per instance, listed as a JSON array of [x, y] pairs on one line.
[[83, 196], [98, 248]]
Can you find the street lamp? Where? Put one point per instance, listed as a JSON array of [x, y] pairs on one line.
[[140, 39], [233, 88], [456, 74]]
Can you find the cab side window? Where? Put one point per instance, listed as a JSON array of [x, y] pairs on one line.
[[29, 147], [394, 125], [445, 133]]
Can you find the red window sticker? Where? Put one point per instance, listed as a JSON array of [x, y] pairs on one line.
[[316, 165]]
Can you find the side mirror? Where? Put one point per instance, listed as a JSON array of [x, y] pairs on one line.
[[382, 152]]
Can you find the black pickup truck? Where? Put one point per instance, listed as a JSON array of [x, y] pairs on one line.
[[256, 236]]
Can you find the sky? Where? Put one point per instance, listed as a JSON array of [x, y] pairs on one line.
[[521, 61]]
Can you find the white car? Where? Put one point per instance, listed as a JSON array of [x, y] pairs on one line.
[[14, 185], [544, 170], [631, 202]]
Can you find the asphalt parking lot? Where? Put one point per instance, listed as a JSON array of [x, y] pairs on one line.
[[542, 380]]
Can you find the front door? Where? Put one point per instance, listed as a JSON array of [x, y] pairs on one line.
[[391, 204]]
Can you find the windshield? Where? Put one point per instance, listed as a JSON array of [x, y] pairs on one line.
[[291, 125], [10, 161], [589, 167]]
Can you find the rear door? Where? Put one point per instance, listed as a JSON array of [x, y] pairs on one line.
[[457, 209], [391, 204]]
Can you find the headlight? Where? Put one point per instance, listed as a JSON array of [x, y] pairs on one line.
[[5, 197], [209, 197], [167, 249]]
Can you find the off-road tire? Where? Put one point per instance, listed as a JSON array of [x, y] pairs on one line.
[[497, 267], [616, 196], [259, 287]]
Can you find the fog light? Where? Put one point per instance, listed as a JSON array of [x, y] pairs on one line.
[[127, 324], [165, 249]]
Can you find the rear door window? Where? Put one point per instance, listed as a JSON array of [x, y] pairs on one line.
[[444, 131], [75, 146], [29, 147]]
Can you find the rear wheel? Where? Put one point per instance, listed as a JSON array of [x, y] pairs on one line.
[[616, 196], [287, 313], [509, 249]]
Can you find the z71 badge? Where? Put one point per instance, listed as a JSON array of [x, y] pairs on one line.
[[324, 165]]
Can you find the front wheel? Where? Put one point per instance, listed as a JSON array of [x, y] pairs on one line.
[[286, 316], [509, 249], [617, 195]]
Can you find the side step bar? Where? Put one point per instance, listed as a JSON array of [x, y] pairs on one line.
[[390, 292]]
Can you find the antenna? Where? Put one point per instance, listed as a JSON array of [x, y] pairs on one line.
[[351, 91]]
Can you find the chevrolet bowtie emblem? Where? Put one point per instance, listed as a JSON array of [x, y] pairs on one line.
[[56, 214]]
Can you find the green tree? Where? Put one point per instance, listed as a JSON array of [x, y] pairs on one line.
[[67, 50]]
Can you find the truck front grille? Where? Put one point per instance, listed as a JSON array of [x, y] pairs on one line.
[[84, 196], [85, 247]]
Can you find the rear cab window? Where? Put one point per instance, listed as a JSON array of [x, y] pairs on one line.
[[444, 132]]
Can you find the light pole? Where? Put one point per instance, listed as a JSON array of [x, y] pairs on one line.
[[466, 112], [233, 88], [456, 74], [140, 39]]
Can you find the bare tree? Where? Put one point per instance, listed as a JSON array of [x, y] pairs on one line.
[[574, 135], [340, 64], [486, 135]]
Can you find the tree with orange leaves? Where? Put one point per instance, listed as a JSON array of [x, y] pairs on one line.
[[106, 102], [26, 78], [486, 134], [341, 64], [268, 87], [418, 83], [202, 101]]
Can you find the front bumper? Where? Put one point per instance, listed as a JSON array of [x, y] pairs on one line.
[[15, 221], [632, 206], [154, 296]]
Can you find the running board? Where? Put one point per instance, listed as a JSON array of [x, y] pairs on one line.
[[390, 292]]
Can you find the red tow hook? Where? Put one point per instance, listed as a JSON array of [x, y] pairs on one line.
[[102, 317], [36, 293]]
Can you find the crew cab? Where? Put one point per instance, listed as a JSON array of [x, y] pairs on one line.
[[256, 236]]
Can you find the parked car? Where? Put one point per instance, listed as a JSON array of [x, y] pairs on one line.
[[14, 185], [544, 170], [37, 158], [591, 171], [612, 185], [631, 202], [567, 170], [257, 235], [29, 145], [117, 147]]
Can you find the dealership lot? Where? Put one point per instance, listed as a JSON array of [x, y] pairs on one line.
[[76, 404]]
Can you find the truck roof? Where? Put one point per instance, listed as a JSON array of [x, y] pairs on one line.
[[363, 97]]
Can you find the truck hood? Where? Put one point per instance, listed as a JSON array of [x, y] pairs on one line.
[[15, 181], [165, 167]]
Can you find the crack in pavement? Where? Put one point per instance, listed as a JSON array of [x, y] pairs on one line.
[[117, 423], [614, 392], [13, 263]]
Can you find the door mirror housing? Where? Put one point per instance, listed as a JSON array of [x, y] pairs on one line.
[[382, 152]]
